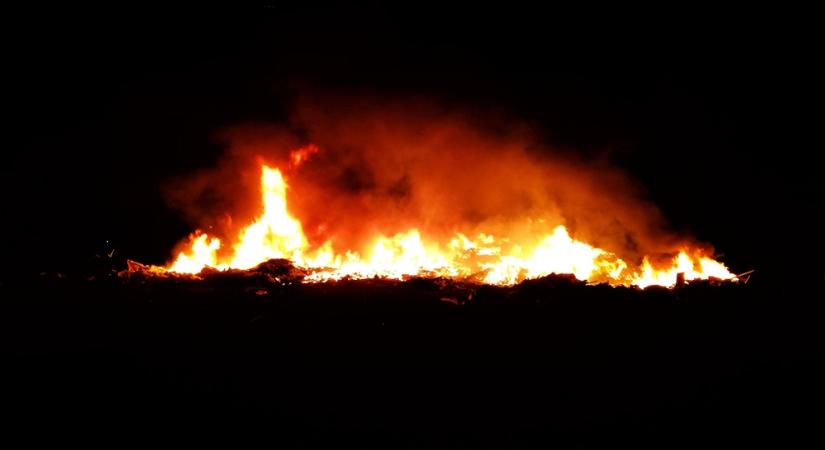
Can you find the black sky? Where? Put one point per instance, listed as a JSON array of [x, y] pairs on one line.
[[715, 112]]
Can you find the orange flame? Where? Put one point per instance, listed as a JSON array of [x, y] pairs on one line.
[[485, 258], [297, 157]]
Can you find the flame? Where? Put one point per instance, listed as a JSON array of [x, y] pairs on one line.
[[201, 254], [275, 234], [487, 258]]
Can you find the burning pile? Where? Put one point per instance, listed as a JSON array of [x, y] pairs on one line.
[[487, 258], [392, 193]]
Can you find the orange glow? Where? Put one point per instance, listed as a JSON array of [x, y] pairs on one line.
[[297, 157], [485, 257]]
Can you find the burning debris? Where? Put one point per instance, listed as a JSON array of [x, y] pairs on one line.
[[424, 196], [276, 234], [275, 274]]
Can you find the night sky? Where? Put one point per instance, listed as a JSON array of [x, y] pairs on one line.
[[712, 111]]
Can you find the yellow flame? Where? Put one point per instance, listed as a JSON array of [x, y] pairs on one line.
[[487, 258], [275, 234], [201, 254], [683, 263]]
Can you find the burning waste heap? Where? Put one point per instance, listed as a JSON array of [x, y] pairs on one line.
[[351, 190]]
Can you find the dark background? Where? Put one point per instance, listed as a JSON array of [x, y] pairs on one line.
[[712, 110]]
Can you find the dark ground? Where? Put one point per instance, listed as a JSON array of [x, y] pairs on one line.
[[391, 365], [716, 112]]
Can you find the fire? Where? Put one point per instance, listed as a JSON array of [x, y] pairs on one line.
[[683, 263], [275, 234], [200, 255], [485, 257]]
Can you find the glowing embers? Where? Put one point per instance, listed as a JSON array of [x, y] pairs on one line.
[[485, 258]]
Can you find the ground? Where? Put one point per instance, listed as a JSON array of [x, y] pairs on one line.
[[413, 364]]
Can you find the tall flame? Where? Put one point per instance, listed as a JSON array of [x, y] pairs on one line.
[[486, 258]]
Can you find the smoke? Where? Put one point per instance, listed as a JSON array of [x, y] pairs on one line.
[[387, 165]]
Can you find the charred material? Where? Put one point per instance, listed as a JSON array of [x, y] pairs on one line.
[[437, 362]]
